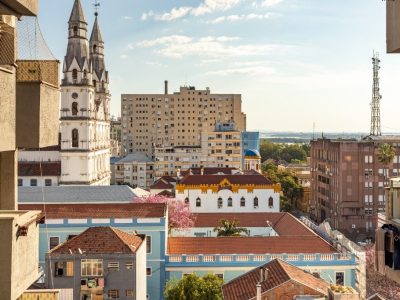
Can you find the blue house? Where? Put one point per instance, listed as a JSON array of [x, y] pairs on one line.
[[64, 221]]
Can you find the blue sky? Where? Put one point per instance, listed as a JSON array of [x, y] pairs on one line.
[[295, 62]]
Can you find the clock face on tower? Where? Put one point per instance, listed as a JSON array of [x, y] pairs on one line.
[[74, 95]]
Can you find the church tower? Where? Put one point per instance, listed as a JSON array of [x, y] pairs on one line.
[[84, 121]]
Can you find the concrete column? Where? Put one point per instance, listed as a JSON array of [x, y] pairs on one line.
[[8, 180]]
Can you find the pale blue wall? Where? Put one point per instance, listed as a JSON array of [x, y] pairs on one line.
[[155, 260]]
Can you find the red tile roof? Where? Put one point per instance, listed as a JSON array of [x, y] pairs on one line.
[[169, 179], [279, 272], [101, 240], [34, 169], [282, 222], [234, 179], [208, 171], [115, 210], [246, 245], [161, 184]]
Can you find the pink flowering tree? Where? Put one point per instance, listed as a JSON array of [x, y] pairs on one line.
[[179, 215], [377, 283]]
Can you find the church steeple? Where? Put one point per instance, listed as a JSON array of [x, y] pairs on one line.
[[77, 67], [100, 74]]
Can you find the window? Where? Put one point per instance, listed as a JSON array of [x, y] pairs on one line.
[[340, 278], [53, 242], [242, 202], [19, 182], [129, 265], [148, 244], [75, 138], [64, 268], [186, 200], [113, 294], [75, 29], [113, 266], [130, 293], [74, 75], [84, 74], [219, 202], [94, 48], [230, 202], [219, 275], [47, 182], [74, 108], [270, 202], [198, 202], [91, 267], [255, 202], [33, 182], [148, 271]]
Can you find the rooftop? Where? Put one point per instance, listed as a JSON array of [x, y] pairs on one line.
[[39, 169], [78, 194], [209, 171], [161, 184], [100, 240], [279, 272], [135, 157], [246, 245], [282, 222], [115, 210], [253, 179]]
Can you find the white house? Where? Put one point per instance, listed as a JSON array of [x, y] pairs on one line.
[[240, 192]]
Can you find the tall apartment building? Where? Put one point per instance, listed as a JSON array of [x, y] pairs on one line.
[[219, 148], [168, 120], [348, 182]]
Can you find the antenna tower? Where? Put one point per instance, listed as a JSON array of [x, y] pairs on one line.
[[376, 98]]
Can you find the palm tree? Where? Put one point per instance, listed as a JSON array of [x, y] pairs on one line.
[[386, 154], [230, 228]]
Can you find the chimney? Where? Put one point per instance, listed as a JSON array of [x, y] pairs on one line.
[[261, 274], [202, 171], [258, 291], [166, 87]]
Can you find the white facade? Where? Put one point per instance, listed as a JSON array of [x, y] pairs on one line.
[[136, 169], [259, 200]]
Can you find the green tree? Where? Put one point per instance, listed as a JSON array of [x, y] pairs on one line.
[[285, 205], [193, 287], [386, 154], [293, 152], [230, 228], [287, 152]]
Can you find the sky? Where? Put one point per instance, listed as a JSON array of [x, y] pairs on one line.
[[295, 62]]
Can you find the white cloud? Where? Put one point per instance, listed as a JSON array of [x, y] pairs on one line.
[[234, 18], [123, 56], [206, 7], [127, 18], [269, 3], [251, 71], [179, 46]]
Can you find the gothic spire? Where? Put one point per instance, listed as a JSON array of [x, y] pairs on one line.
[[96, 33], [96, 44], [77, 13]]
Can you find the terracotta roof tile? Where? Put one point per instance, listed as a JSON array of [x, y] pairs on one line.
[[208, 171], [246, 245], [161, 184], [33, 169], [101, 240], [279, 272], [234, 179], [283, 223], [116, 210]]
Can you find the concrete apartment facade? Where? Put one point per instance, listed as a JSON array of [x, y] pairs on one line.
[[167, 120], [347, 182], [135, 169]]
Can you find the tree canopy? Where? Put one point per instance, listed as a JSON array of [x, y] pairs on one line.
[[179, 215], [230, 228], [287, 152], [386, 154], [193, 287]]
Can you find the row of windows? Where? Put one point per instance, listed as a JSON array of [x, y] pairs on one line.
[[34, 182], [230, 202]]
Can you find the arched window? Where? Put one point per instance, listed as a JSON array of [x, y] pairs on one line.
[[219, 202], [187, 200], [198, 202], [242, 202], [271, 202], [94, 48], [84, 74], [74, 75], [94, 83], [102, 84], [255, 202], [230, 201], [74, 108], [75, 138], [75, 30]]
